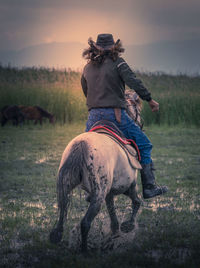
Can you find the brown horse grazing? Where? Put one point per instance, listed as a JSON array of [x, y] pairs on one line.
[[13, 113], [36, 113]]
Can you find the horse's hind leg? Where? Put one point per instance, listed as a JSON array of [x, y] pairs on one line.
[[114, 224], [64, 188], [129, 225], [56, 233], [63, 204], [93, 210]]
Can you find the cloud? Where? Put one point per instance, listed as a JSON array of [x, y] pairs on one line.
[[24, 22], [65, 4], [177, 13]]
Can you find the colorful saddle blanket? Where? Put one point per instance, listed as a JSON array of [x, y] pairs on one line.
[[129, 146]]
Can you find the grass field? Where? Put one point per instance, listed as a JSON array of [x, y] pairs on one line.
[[59, 92], [168, 233]]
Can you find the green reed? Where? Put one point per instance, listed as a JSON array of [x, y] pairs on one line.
[[178, 96], [59, 92]]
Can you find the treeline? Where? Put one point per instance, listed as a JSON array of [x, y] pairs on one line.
[[59, 92]]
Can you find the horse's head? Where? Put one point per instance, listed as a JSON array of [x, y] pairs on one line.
[[134, 106]]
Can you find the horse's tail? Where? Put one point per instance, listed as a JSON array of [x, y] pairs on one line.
[[71, 172], [69, 176], [11, 112]]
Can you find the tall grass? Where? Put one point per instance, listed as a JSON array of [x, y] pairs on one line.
[[178, 96], [59, 92], [175, 108]]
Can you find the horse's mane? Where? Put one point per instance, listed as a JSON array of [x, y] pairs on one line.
[[131, 94], [134, 106], [44, 112]]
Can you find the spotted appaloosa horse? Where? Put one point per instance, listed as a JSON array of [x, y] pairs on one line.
[[36, 113], [102, 167], [13, 113]]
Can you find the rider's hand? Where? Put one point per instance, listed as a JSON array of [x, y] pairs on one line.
[[154, 105]]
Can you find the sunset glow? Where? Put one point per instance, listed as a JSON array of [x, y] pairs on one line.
[[31, 24]]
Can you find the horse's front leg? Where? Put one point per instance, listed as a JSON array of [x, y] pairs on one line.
[[114, 224], [129, 225]]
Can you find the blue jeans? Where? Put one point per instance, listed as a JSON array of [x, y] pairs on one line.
[[127, 126]]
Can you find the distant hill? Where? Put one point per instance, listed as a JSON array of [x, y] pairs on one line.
[[166, 56], [174, 57], [51, 54]]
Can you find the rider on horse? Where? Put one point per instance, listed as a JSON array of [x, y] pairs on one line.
[[103, 82]]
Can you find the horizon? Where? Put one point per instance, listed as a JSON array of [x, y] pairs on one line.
[[79, 70], [163, 57]]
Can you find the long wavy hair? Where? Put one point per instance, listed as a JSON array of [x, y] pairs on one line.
[[96, 54]]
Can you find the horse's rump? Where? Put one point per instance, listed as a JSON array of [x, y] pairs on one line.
[[102, 161], [11, 112]]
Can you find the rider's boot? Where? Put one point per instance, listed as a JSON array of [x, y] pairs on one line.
[[150, 188]]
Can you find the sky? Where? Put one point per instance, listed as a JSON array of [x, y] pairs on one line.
[[26, 23]]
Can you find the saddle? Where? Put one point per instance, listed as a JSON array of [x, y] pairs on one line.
[[129, 146]]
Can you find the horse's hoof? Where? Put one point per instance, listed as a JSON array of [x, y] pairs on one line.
[[55, 236], [127, 226], [88, 198]]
